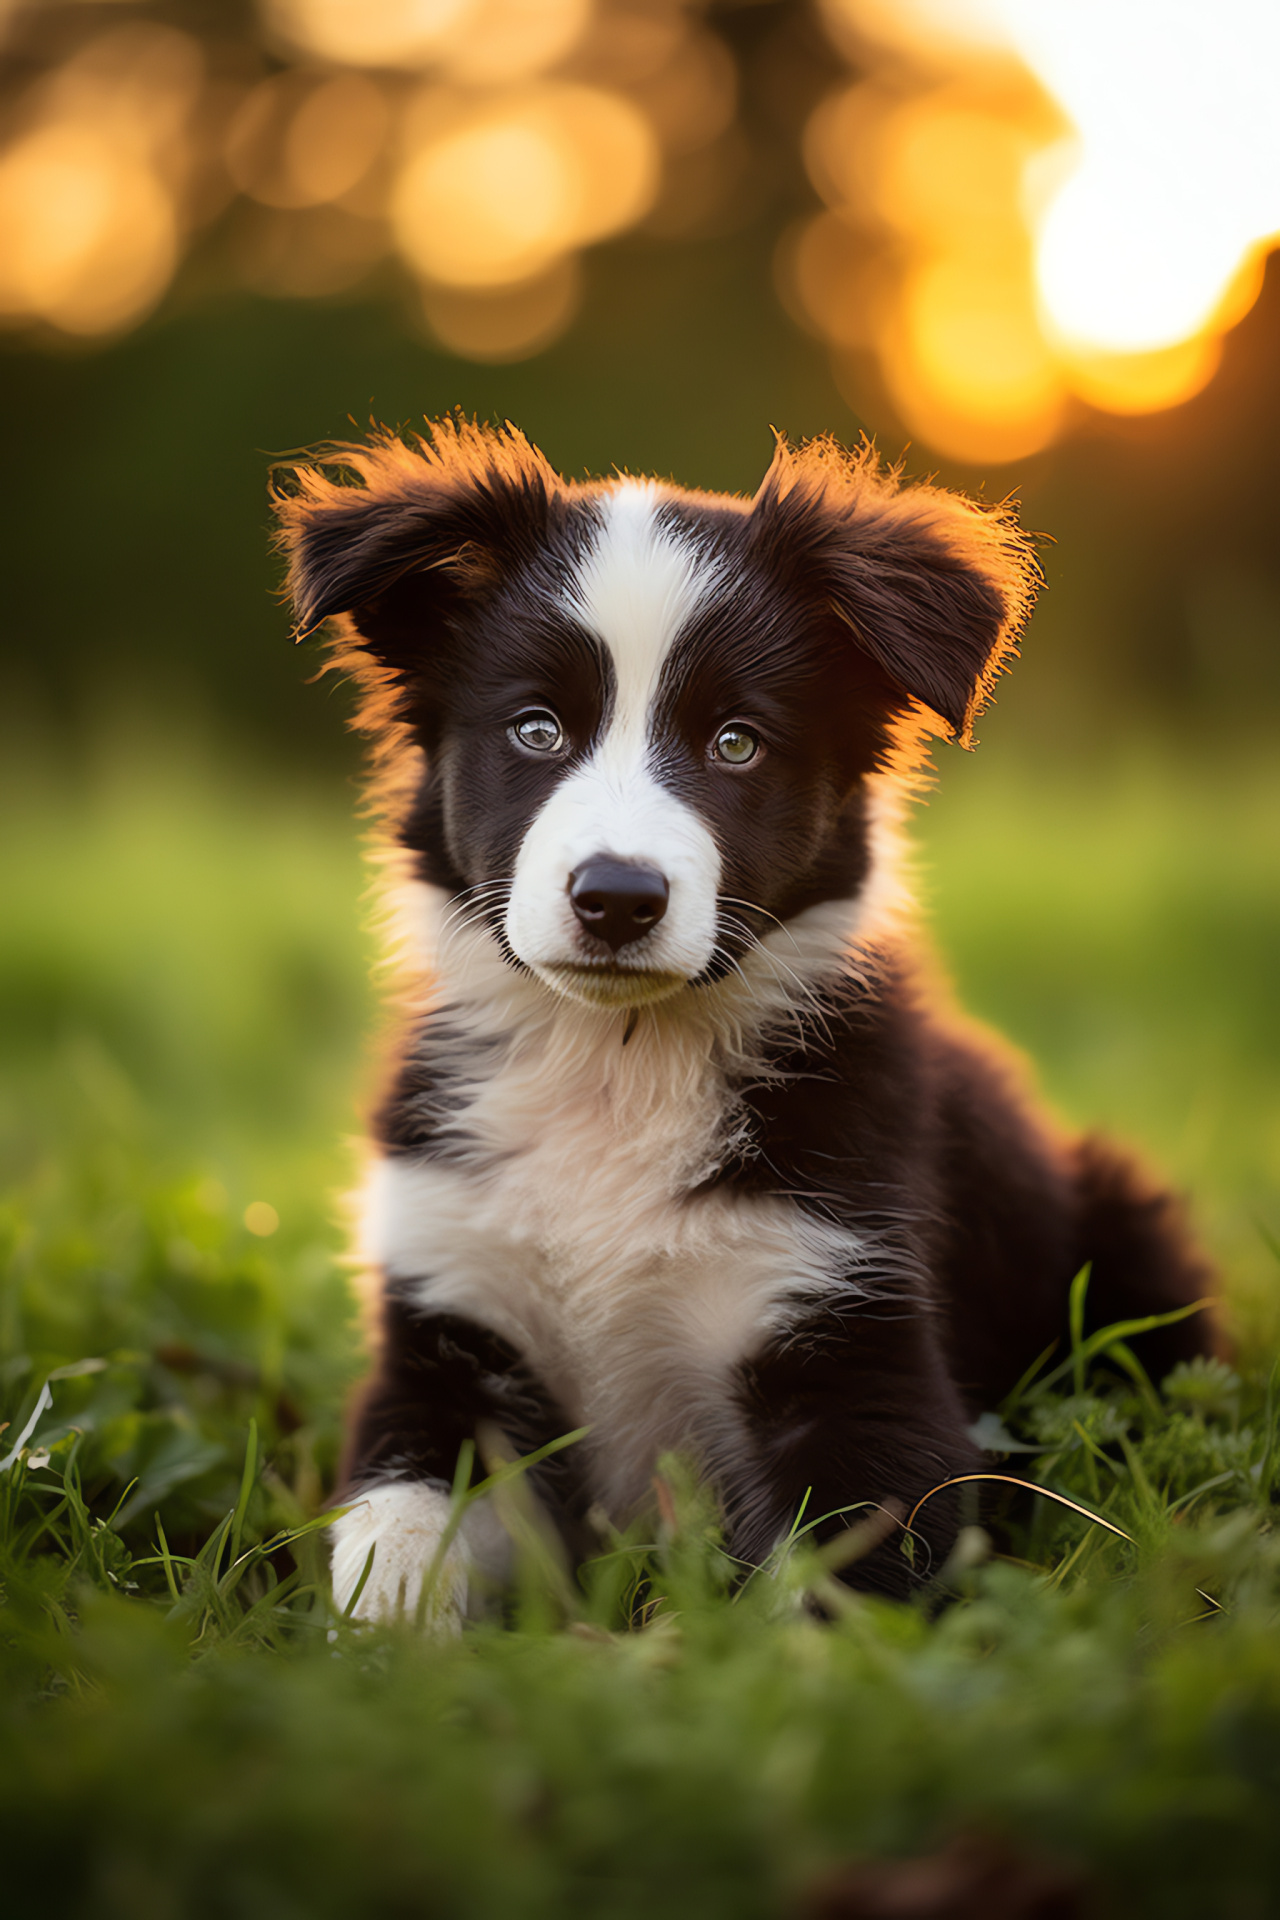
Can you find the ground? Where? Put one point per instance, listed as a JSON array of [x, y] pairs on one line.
[[188, 1727]]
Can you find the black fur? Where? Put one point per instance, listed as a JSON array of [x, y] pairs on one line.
[[442, 1381]]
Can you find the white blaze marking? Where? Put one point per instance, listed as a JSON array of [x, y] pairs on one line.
[[637, 589]]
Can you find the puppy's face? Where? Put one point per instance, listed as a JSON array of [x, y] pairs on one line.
[[647, 727], [646, 756]]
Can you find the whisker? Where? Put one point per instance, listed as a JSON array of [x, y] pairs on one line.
[[468, 910], [471, 915], [790, 1014], [501, 885], [808, 998], [471, 896], [806, 987], [471, 905], [811, 997], [731, 901]]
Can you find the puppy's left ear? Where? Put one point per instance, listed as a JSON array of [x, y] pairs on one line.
[[934, 588]]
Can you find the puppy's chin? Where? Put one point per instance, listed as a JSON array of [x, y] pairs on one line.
[[608, 986]]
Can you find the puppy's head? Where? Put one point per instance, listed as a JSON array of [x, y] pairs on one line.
[[644, 724]]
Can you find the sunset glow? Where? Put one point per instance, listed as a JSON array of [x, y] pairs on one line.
[[1029, 207], [1174, 170], [1080, 194]]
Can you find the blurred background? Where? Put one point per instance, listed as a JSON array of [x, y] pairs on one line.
[[1023, 243]]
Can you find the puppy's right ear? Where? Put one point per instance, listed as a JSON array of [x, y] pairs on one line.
[[396, 537]]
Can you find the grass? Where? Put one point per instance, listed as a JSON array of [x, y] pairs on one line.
[[185, 1726]]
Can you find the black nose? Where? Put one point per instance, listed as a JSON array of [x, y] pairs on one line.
[[618, 902]]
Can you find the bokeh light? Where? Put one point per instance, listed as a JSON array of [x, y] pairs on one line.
[[481, 42], [1027, 206], [505, 323], [301, 140], [90, 184], [372, 33], [1074, 195], [481, 144], [496, 192]]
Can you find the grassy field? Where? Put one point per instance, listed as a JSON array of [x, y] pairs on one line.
[[185, 1725]]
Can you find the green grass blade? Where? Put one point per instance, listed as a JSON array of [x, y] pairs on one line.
[[1075, 1313], [349, 1610], [463, 1496], [1014, 1397], [166, 1559], [1128, 1359], [1267, 1473], [1120, 1330], [248, 1480]]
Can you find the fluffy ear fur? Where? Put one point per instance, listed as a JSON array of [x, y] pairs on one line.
[[392, 535], [934, 588]]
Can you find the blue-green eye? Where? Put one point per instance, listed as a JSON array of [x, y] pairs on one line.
[[537, 731], [735, 745]]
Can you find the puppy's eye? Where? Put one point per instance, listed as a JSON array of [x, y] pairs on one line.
[[735, 745], [537, 731]]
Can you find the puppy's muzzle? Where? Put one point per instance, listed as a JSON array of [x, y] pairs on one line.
[[616, 901]]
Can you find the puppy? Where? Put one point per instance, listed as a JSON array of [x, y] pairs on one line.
[[680, 1144]]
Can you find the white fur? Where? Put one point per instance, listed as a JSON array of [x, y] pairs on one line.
[[637, 1338], [404, 1522], [637, 588], [565, 1218], [639, 585]]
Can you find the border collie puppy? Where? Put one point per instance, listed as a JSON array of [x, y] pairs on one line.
[[680, 1144]]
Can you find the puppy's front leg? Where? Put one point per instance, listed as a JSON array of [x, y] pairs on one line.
[[402, 1523], [852, 1407], [440, 1378]]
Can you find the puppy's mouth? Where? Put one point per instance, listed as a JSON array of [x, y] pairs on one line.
[[608, 985]]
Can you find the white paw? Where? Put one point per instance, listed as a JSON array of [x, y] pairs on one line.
[[403, 1522]]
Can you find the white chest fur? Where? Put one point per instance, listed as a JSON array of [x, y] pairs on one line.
[[566, 1221]]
